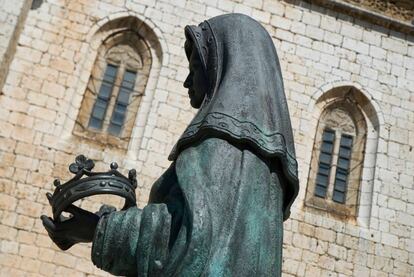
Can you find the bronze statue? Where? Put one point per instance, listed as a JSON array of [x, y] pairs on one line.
[[218, 210]]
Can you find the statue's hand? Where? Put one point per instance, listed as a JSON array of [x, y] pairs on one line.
[[80, 227]]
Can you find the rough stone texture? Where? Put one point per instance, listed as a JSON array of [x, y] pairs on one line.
[[400, 9], [12, 17], [318, 49], [394, 15]]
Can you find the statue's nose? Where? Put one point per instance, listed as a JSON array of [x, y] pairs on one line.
[[188, 82]]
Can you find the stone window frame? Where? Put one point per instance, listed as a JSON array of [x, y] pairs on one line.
[[365, 101], [355, 126], [129, 51]]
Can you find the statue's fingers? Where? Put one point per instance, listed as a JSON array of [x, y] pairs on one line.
[[76, 211], [49, 197], [105, 209], [73, 209], [61, 242], [48, 223]]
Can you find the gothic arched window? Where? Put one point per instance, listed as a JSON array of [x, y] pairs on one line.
[[337, 158], [114, 90]]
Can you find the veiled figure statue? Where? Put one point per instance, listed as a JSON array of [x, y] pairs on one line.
[[218, 210]]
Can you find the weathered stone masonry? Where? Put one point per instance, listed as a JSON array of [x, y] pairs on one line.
[[321, 52]]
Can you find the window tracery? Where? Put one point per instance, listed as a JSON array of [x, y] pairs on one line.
[[337, 159], [114, 90]]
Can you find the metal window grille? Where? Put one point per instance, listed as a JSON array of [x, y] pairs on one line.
[[120, 108], [325, 160], [342, 170], [101, 104]]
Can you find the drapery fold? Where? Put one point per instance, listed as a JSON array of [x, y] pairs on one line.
[[217, 211]]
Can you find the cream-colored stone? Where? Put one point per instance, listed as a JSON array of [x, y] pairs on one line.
[[45, 86], [9, 247]]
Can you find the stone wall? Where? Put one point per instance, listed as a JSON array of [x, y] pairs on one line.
[[12, 18], [319, 50]]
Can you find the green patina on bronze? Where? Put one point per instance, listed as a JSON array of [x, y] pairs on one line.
[[219, 208]]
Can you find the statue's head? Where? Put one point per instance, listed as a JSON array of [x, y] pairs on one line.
[[236, 83], [196, 81]]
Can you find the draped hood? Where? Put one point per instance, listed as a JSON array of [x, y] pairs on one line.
[[245, 103]]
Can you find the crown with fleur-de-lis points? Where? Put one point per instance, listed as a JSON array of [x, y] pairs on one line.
[[87, 183]]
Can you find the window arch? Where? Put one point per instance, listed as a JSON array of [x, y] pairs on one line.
[[114, 90], [337, 162]]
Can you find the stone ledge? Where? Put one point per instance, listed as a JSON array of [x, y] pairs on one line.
[[362, 13]]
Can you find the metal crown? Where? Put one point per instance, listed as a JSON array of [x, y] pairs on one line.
[[87, 183]]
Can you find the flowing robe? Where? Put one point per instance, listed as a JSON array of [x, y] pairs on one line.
[[196, 226]]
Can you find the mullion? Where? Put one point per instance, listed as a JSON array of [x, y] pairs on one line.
[[342, 171], [120, 108], [325, 161], [101, 104]]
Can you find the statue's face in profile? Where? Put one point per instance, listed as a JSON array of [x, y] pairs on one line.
[[196, 81]]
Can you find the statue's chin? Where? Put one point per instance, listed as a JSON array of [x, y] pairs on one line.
[[196, 104]]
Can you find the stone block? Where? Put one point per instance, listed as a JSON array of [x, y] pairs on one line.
[[62, 65], [29, 251], [389, 239], [355, 45], [293, 13], [329, 23], [24, 222], [343, 267], [314, 32], [326, 262], [211, 12], [351, 31], [325, 234], [9, 247], [30, 265], [53, 89], [7, 202], [282, 22], [371, 37], [29, 208], [284, 35], [394, 45], [336, 251], [311, 19], [377, 52]]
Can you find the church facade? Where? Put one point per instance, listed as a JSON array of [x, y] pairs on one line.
[[104, 79]]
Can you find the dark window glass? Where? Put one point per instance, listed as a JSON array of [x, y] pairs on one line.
[[343, 163], [129, 79], [325, 160], [340, 185], [323, 169], [345, 152], [328, 135], [104, 95], [120, 109], [105, 91], [320, 191], [342, 170], [98, 112], [339, 197], [123, 97], [118, 117], [322, 179], [114, 129]]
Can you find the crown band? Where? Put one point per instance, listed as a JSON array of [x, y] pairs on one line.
[[110, 182]]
